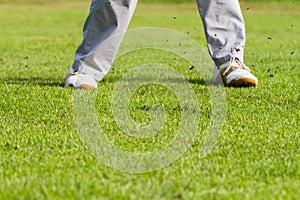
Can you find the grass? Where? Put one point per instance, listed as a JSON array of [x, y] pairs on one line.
[[42, 156]]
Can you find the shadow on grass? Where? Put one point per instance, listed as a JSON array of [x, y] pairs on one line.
[[116, 79], [50, 82], [47, 82]]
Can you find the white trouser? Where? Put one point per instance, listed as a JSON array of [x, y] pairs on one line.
[[222, 20]]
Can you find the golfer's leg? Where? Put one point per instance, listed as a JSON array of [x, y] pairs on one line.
[[224, 29], [103, 32]]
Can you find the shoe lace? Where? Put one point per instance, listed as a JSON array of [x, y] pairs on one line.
[[231, 67]]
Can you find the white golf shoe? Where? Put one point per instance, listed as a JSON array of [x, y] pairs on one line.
[[79, 80], [234, 73]]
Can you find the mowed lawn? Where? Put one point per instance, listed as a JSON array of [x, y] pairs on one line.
[[42, 156]]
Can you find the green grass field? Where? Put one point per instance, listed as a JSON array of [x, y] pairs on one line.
[[42, 156]]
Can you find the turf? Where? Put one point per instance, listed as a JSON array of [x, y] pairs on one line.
[[42, 156]]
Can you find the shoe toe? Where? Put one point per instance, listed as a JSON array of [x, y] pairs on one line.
[[241, 78], [82, 81]]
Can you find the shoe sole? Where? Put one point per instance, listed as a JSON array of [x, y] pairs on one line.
[[243, 82], [86, 86], [83, 86]]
